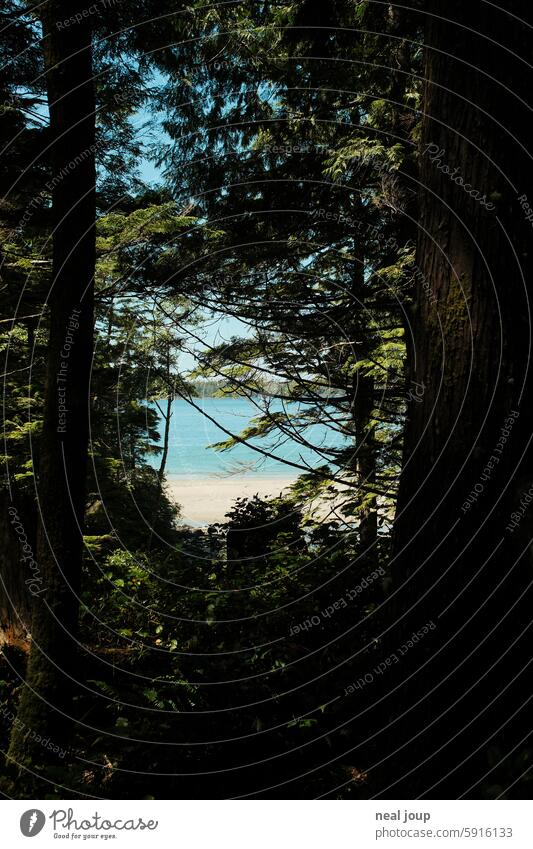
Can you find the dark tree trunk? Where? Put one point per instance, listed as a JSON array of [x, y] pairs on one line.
[[167, 417], [362, 411], [468, 461], [166, 436], [46, 704], [366, 464], [164, 457]]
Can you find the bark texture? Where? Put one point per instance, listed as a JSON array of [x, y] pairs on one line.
[[458, 698], [46, 704]]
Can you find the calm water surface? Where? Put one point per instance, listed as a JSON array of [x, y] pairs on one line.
[[192, 433]]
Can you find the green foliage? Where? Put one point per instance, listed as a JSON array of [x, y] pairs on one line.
[[206, 610]]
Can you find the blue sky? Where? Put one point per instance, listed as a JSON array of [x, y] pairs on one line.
[[216, 330]]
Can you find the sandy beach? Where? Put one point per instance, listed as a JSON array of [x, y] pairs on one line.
[[204, 501]]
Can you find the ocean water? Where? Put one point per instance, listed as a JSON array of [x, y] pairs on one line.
[[192, 431]]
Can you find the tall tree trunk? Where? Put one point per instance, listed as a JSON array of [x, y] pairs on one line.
[[162, 467], [366, 464], [46, 704], [468, 460], [167, 417], [166, 439], [363, 411]]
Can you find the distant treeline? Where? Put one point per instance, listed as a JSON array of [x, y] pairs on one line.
[[220, 388]]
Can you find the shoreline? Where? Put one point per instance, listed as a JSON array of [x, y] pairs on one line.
[[206, 500]]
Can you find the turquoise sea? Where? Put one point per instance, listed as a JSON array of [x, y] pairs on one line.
[[193, 431]]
